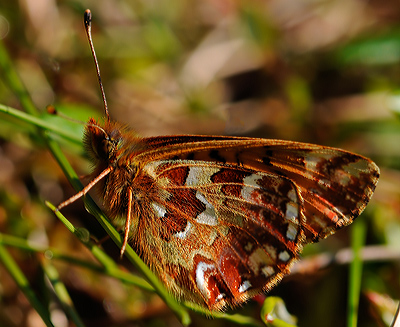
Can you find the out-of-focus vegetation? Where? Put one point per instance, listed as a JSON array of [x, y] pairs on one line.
[[325, 72]]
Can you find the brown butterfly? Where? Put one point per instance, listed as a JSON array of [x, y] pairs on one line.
[[220, 219]]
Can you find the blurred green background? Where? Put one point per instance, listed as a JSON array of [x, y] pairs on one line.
[[325, 72]]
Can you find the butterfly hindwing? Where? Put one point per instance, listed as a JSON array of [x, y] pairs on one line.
[[230, 232]]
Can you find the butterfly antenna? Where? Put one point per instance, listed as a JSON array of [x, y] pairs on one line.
[[88, 29], [51, 110]]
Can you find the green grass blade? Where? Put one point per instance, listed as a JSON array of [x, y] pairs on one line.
[[62, 293], [23, 285], [107, 267], [359, 231], [39, 123], [14, 82]]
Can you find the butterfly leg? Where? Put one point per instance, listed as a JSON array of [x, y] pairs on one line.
[[85, 190], [127, 222]]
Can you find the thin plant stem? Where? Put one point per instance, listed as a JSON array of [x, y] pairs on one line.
[[62, 293], [35, 121], [7, 260], [358, 231]]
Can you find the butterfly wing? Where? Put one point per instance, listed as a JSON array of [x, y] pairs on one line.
[[217, 234], [335, 185], [220, 219]]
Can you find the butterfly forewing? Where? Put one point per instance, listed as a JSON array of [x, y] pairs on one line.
[[335, 185]]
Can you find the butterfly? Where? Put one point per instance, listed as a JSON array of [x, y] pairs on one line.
[[220, 219]]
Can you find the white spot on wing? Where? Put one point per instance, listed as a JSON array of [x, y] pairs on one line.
[[200, 176], [268, 271], [343, 179], [324, 183], [292, 211], [251, 180], [208, 216], [159, 209], [258, 258], [202, 285], [284, 256], [246, 193], [271, 251], [291, 232], [312, 160], [184, 234], [248, 246], [152, 167], [250, 183], [221, 296], [292, 195], [245, 286]]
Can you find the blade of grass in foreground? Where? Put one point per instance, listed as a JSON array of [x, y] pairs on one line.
[[359, 231], [108, 266], [62, 294], [28, 118], [24, 286]]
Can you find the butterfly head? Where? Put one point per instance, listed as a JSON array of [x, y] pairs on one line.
[[102, 142]]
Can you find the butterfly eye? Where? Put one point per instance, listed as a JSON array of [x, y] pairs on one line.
[[109, 146], [105, 146]]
